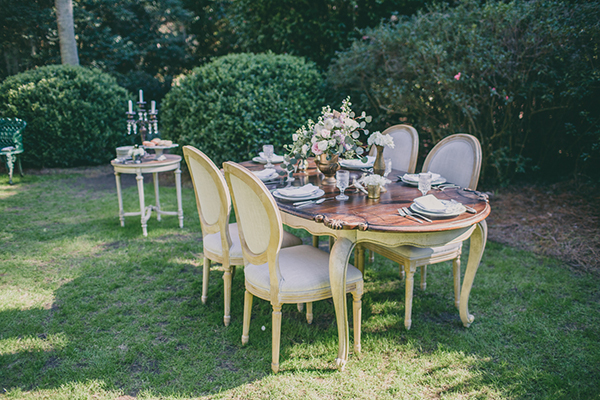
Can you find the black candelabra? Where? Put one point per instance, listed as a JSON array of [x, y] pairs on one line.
[[146, 122]]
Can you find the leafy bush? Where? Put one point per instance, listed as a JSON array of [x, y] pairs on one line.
[[523, 77], [232, 106], [75, 116]]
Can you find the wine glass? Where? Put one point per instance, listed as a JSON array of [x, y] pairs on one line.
[[268, 154], [342, 179], [424, 182]]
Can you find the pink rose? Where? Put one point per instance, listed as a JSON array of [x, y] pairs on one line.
[[315, 149]]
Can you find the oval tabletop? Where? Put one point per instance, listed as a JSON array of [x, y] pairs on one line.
[[360, 212]]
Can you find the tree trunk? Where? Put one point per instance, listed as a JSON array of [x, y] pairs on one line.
[[66, 32]]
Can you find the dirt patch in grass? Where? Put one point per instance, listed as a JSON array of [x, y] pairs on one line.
[[560, 220]]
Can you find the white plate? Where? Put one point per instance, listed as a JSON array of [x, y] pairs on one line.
[[275, 160], [315, 195], [459, 210], [357, 164], [161, 147], [438, 181]]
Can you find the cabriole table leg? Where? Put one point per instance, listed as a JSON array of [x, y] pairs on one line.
[[140, 184], [477, 245], [120, 198]]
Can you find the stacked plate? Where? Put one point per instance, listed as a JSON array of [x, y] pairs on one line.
[[298, 193], [431, 206], [262, 160], [413, 179], [357, 164]]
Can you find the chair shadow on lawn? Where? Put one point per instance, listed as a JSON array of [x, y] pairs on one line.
[[133, 320]]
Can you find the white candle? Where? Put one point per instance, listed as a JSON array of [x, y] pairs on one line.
[[153, 105], [141, 96], [130, 106]]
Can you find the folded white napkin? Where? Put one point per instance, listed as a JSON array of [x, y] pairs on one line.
[[298, 191], [275, 158], [358, 163], [430, 203], [266, 174], [415, 177]]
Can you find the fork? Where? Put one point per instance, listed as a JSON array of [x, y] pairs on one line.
[[414, 214], [404, 214]]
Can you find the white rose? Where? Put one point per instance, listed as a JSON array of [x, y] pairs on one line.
[[295, 137], [323, 144], [314, 139], [325, 133], [305, 148], [329, 124]]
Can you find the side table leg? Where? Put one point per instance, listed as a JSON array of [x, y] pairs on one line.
[[477, 245], [120, 197], [140, 184], [156, 195], [179, 202]]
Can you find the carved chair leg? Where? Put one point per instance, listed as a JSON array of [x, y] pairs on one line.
[[423, 277], [247, 313], [300, 307], [409, 284], [456, 275], [315, 241], [276, 337], [205, 274], [402, 273], [356, 317], [10, 163], [309, 312], [359, 258], [227, 295]]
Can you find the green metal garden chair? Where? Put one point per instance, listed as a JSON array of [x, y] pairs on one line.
[[11, 143]]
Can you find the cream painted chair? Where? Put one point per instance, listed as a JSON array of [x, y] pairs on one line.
[[279, 275], [220, 238], [458, 159], [406, 147]]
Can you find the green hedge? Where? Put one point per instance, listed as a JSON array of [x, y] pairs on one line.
[[232, 106], [523, 77], [75, 116]]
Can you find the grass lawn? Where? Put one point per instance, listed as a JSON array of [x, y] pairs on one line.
[[89, 309]]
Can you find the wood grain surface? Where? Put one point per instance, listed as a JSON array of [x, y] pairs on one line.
[[362, 213]]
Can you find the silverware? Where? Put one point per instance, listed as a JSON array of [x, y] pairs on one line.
[[403, 214], [408, 211], [309, 202], [469, 209], [359, 186]]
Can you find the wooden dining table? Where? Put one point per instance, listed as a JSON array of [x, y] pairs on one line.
[[360, 219]]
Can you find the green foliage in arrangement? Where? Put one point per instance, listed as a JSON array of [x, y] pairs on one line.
[[523, 77], [232, 106], [74, 115]]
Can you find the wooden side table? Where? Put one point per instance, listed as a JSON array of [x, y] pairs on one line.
[[170, 163]]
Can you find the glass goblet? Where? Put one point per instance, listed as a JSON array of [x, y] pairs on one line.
[[424, 182], [388, 167], [342, 180], [268, 154]]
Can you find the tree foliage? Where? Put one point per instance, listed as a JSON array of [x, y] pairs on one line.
[[523, 77], [233, 105], [73, 115]]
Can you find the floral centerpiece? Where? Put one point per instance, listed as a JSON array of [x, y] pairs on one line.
[[335, 134], [136, 153], [380, 140]]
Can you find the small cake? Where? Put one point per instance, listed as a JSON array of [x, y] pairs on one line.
[[148, 144]]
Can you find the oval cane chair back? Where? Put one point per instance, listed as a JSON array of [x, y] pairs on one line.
[[406, 147], [457, 158]]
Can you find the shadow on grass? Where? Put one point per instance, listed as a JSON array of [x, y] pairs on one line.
[[126, 311]]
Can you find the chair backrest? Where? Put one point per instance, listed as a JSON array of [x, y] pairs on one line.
[[212, 196], [457, 158], [406, 147], [10, 132], [259, 222]]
